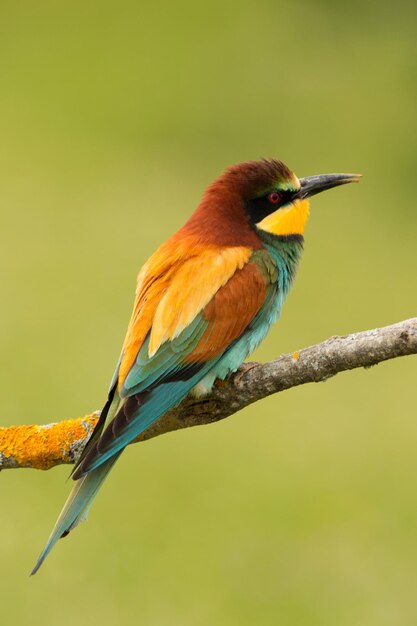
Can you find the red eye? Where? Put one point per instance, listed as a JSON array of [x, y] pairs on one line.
[[274, 197]]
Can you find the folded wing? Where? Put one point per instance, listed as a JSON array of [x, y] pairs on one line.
[[180, 329]]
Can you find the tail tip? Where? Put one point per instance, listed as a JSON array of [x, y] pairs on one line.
[[37, 566]]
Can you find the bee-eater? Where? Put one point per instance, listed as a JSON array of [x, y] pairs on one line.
[[204, 301]]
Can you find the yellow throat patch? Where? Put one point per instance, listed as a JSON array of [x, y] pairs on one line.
[[290, 220]]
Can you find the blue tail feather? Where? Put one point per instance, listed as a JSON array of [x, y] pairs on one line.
[[77, 506]]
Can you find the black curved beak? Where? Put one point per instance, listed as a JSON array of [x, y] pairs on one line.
[[316, 184]]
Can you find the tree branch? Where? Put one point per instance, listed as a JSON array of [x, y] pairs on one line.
[[43, 447]]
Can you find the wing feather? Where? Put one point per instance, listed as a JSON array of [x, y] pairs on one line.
[[196, 282], [158, 380], [172, 291]]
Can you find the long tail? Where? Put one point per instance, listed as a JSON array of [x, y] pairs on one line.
[[77, 506]]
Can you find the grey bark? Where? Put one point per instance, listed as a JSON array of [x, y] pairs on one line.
[[254, 381]]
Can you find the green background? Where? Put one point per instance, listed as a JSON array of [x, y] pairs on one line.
[[302, 509]]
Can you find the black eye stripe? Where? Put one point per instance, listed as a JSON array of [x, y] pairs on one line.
[[258, 208]]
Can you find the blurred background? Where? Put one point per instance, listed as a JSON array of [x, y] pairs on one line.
[[302, 509]]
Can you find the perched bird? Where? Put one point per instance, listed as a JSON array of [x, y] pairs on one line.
[[204, 301]]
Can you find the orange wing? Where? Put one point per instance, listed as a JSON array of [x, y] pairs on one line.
[[230, 311], [177, 282], [194, 328]]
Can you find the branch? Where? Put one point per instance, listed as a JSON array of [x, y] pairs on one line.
[[43, 447]]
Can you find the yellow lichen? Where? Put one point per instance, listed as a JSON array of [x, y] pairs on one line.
[[42, 447], [295, 356]]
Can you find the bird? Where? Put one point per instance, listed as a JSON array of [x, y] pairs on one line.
[[204, 301]]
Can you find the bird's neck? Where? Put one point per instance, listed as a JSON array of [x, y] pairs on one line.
[[220, 220], [286, 252]]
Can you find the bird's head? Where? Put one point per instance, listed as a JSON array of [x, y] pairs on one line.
[[258, 199], [276, 201]]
